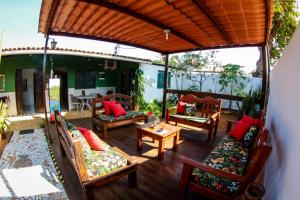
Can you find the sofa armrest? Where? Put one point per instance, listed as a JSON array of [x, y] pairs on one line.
[[169, 111], [229, 125], [217, 172]]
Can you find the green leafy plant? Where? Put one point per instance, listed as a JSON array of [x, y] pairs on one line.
[[249, 105], [3, 118], [233, 77], [285, 22]]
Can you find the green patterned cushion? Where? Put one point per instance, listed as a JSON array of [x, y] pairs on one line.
[[111, 118], [190, 110], [229, 156], [98, 162], [193, 118], [248, 139]]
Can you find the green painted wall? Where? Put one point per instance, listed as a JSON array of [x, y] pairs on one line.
[[71, 64]]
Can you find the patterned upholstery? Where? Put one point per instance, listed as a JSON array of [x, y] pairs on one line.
[[193, 118], [111, 118], [230, 156], [250, 136], [98, 162]]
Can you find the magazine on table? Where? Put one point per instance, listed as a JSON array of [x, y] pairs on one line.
[[161, 131]]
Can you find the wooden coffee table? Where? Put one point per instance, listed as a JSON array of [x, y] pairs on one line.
[[169, 132]]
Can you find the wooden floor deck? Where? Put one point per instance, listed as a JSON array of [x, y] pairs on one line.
[[156, 179]]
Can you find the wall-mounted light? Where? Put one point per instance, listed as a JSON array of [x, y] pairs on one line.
[[53, 43]]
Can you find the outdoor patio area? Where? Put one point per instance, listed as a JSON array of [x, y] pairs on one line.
[[155, 179]]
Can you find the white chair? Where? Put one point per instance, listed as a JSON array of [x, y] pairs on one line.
[[75, 103]]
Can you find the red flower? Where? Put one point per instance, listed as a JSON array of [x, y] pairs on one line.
[[150, 114], [234, 160]]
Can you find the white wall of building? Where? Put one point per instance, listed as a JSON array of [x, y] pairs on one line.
[[150, 76], [282, 170], [91, 91], [211, 84]]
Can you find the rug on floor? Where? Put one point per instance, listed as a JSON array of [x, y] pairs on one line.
[[27, 170]]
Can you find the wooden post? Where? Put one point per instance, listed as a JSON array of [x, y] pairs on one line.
[[47, 130], [265, 77], [165, 86]]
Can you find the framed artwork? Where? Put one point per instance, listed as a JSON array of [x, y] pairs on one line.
[[2, 82]]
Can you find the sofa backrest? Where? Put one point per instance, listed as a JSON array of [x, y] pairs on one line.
[[208, 105], [71, 147], [124, 100], [258, 156]]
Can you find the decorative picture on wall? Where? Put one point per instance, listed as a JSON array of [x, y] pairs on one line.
[[2, 82]]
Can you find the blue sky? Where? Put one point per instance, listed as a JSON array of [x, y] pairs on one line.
[[19, 21]]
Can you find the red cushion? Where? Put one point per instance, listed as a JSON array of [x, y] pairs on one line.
[[118, 110], [239, 130], [249, 120], [107, 105], [181, 107], [93, 140]]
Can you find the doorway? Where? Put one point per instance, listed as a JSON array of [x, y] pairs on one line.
[[63, 76], [29, 91], [128, 76]]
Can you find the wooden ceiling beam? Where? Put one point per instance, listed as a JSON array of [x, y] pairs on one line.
[[50, 17], [142, 17], [267, 25], [205, 10]]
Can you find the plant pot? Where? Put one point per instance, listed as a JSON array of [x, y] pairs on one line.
[[254, 191]]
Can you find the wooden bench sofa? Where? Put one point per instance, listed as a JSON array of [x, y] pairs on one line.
[[208, 113], [228, 169], [105, 122], [88, 164]]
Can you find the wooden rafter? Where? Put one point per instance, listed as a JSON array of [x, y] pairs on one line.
[[205, 10], [267, 28], [51, 15], [144, 18]]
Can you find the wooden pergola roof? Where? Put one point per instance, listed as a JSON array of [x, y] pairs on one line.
[[193, 24]]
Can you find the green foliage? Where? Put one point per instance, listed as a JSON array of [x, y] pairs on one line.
[[285, 21], [196, 64], [178, 69], [3, 118], [233, 77], [139, 87], [249, 105]]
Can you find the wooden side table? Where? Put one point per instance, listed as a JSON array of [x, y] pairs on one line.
[[169, 131]]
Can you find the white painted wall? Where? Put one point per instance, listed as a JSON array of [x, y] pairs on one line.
[[150, 76], [28, 96], [91, 91], [211, 84], [12, 108], [282, 170]]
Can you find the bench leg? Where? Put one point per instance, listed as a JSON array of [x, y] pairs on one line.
[[94, 127], [184, 182], [105, 134], [216, 128], [62, 151], [210, 132], [132, 177], [89, 195]]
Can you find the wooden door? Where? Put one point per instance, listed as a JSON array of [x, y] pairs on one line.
[[127, 78], [38, 91], [19, 92]]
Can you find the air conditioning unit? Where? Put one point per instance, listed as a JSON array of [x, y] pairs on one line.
[[110, 65]]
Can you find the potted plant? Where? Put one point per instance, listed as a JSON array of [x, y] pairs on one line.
[[3, 119]]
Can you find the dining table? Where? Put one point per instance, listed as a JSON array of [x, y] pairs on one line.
[[85, 101]]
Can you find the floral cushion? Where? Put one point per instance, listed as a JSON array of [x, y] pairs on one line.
[[249, 136], [229, 156], [190, 110], [193, 118], [98, 162], [111, 118]]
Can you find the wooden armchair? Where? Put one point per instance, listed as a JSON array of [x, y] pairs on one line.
[[257, 158], [72, 149], [207, 117]]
